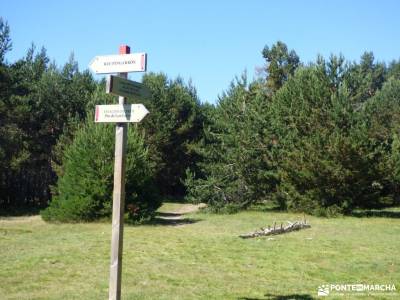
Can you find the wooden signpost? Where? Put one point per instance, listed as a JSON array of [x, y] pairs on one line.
[[121, 114]]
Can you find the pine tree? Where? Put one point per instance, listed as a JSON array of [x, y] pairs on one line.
[[5, 40], [235, 166], [281, 64], [173, 126], [84, 191]]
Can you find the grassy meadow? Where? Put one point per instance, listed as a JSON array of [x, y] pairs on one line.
[[199, 257]]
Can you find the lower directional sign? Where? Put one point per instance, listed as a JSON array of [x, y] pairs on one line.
[[117, 113]]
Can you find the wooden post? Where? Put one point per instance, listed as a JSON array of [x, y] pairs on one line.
[[118, 201]]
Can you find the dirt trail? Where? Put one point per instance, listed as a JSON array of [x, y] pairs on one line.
[[174, 214], [188, 208]]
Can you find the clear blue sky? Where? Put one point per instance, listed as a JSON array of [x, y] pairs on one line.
[[207, 41]]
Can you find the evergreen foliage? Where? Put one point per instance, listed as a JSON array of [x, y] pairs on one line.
[[235, 169], [172, 128], [84, 191], [324, 142], [38, 102], [323, 169], [280, 64], [5, 40], [322, 138]]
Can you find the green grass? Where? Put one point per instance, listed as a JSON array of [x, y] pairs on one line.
[[201, 260]]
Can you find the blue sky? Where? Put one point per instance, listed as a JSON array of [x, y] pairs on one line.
[[209, 42]]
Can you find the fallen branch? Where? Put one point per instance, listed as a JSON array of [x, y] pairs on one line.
[[277, 230]]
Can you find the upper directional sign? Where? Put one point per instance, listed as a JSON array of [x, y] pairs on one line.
[[117, 113], [122, 63], [127, 88]]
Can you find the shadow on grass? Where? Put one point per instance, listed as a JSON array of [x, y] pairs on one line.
[[281, 297], [376, 214], [171, 219], [168, 215], [20, 211]]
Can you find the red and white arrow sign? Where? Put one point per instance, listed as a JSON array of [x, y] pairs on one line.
[[116, 113], [122, 63]]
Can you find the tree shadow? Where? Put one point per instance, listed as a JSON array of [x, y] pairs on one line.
[[168, 222], [281, 297], [376, 214], [171, 219], [168, 214], [20, 211]]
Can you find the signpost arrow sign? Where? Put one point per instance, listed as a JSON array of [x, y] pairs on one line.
[[123, 87], [117, 113], [122, 63], [121, 114]]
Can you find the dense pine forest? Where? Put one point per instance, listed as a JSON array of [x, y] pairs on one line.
[[321, 137]]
